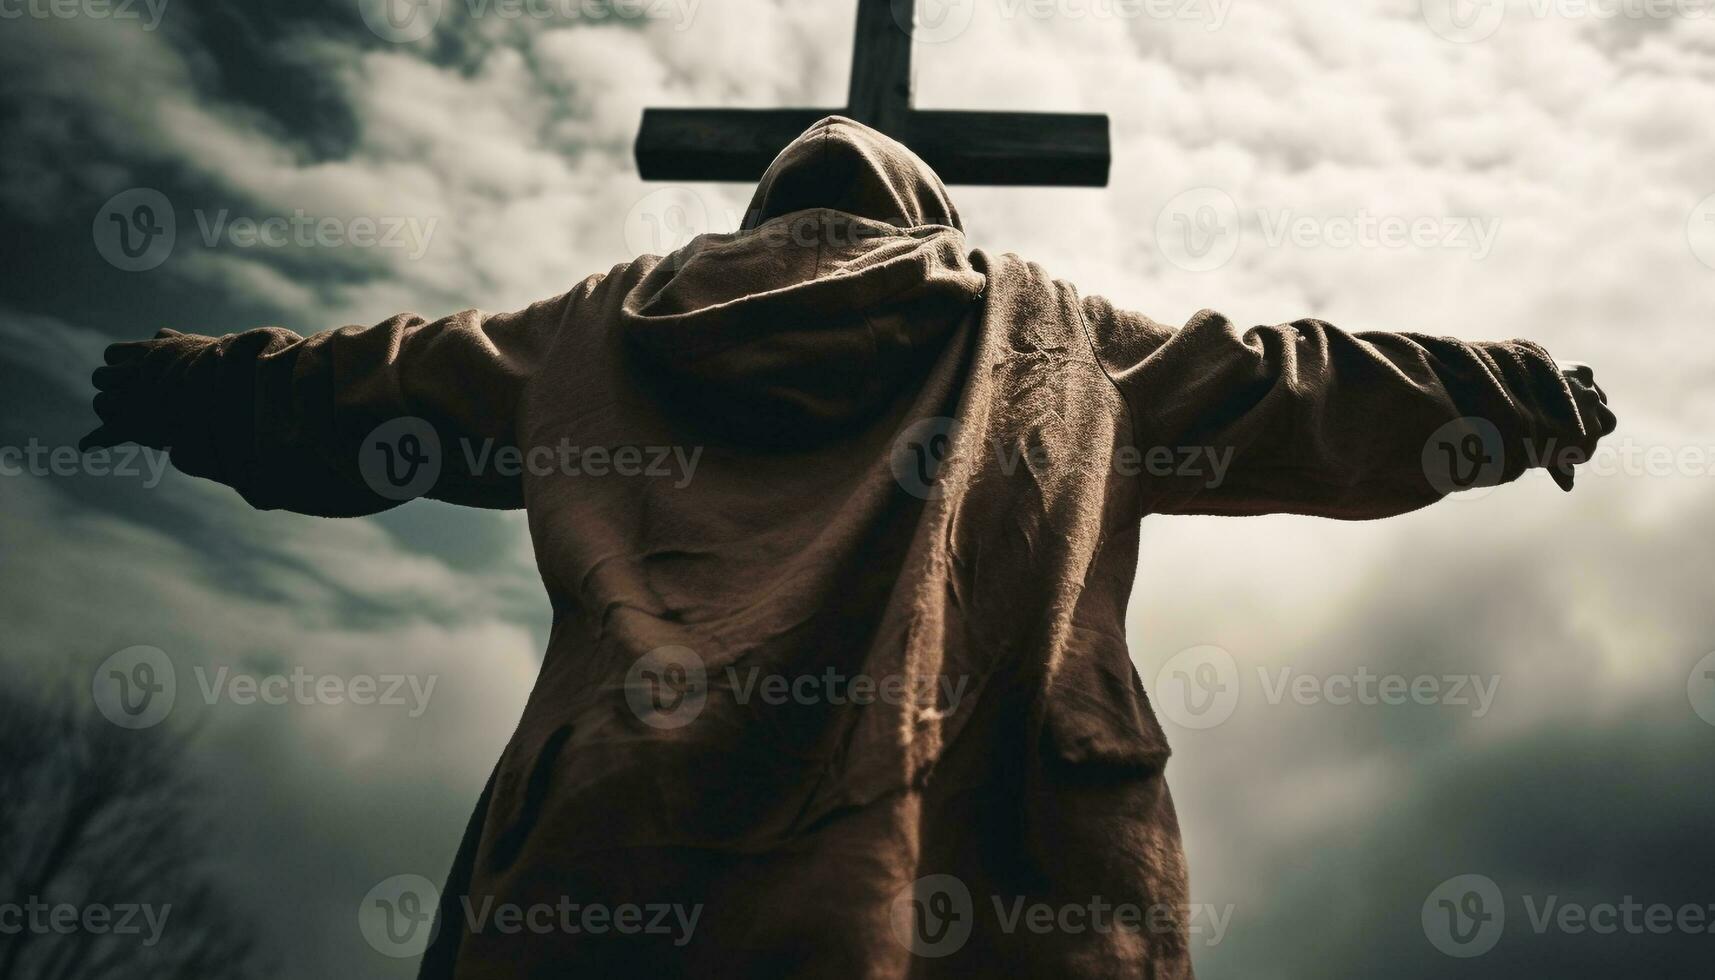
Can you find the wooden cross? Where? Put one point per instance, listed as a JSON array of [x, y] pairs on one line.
[[1018, 148]]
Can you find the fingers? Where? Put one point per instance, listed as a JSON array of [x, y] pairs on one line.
[[1583, 374], [1592, 402], [113, 376], [1592, 399], [1605, 417], [114, 418], [119, 416], [127, 352], [124, 417], [100, 437]]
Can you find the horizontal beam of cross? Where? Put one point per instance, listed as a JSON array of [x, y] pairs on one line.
[[1010, 148], [995, 148]]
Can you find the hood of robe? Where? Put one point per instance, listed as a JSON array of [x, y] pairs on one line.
[[848, 275]]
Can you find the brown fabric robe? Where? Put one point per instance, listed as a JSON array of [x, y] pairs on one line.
[[919, 465]]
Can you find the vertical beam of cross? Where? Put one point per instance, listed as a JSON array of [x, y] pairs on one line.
[[881, 68], [1018, 148]]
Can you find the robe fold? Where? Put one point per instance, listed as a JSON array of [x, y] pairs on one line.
[[839, 665]]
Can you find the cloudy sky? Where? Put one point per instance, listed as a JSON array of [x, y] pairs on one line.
[[1540, 169]]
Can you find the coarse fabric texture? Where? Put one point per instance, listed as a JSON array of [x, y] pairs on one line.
[[838, 665]]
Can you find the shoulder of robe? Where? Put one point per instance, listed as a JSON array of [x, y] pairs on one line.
[[1017, 279], [600, 294]]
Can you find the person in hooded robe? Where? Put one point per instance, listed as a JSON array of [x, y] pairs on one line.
[[847, 693]]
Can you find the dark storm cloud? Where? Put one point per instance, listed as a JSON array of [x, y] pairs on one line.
[[1574, 787]]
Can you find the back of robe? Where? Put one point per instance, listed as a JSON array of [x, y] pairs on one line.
[[838, 658]]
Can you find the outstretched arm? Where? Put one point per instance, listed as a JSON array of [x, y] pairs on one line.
[[1308, 419], [287, 421]]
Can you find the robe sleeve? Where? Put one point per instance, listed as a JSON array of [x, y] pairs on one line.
[[284, 419], [1304, 418]]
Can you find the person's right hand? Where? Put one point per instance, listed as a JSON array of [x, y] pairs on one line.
[[1599, 419]]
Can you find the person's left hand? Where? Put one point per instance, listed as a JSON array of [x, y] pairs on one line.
[[133, 395]]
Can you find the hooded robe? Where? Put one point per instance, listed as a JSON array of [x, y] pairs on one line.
[[852, 689]]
